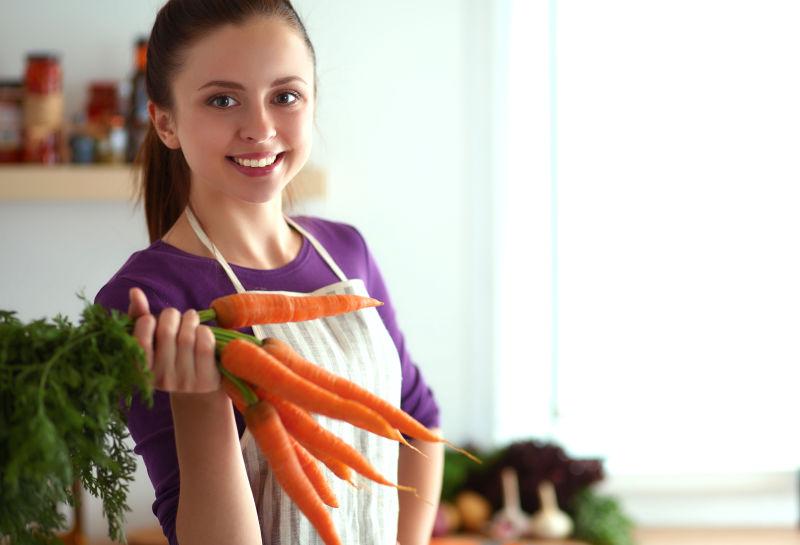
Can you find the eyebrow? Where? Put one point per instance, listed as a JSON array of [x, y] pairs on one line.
[[240, 87]]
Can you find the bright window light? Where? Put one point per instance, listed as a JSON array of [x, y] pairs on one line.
[[650, 276]]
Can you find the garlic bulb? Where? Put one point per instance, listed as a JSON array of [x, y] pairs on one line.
[[511, 521], [549, 522]]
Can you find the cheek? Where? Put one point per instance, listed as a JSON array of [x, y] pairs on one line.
[[301, 130], [203, 138]]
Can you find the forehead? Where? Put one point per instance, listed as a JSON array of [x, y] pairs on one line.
[[253, 53]]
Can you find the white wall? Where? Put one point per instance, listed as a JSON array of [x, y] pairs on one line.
[[403, 123]]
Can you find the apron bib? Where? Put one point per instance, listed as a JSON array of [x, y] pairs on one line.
[[358, 347]]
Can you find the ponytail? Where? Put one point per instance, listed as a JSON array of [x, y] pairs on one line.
[[164, 184]]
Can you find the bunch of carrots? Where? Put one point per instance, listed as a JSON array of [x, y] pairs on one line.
[[277, 391]]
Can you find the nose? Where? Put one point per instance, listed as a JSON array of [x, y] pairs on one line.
[[258, 125]]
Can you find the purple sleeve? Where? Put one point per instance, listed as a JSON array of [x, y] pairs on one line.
[[416, 398], [151, 428]]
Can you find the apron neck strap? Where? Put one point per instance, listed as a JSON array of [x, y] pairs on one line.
[[201, 235], [319, 248], [213, 249]]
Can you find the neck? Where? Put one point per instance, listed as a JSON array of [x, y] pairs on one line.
[[247, 234]]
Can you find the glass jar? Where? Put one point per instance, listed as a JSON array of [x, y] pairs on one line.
[[103, 102], [43, 109]]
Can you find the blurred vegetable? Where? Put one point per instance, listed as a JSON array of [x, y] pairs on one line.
[[474, 510], [534, 462], [549, 522], [599, 520], [456, 470], [448, 520], [511, 521]]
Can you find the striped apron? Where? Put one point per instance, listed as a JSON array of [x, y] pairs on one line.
[[358, 347]]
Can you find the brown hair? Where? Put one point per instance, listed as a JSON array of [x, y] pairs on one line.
[[165, 175]]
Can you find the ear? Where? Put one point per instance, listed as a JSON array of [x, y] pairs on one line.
[[164, 125]]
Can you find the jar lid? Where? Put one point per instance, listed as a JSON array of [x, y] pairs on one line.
[[103, 85], [43, 56]]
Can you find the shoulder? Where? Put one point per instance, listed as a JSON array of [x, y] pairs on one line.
[[168, 277], [333, 232], [343, 241]]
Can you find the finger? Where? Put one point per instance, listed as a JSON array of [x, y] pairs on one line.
[[138, 303], [164, 356], [143, 331], [206, 372], [184, 356]]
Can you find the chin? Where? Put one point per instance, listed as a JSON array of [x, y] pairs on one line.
[[260, 197]]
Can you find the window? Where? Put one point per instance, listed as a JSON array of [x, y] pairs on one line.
[[649, 236]]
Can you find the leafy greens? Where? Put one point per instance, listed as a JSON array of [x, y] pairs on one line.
[[64, 389]]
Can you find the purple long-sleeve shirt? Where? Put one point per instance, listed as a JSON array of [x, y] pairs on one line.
[[171, 277]]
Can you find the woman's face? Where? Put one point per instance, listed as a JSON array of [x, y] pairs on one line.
[[244, 108]]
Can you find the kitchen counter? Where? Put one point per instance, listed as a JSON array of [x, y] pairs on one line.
[[644, 536], [663, 536]]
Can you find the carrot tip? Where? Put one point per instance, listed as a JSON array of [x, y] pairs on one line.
[[402, 440], [415, 449], [462, 451], [424, 500], [407, 489]]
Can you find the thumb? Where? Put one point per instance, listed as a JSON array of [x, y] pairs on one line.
[[138, 305]]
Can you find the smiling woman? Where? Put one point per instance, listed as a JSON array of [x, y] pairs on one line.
[[232, 103]]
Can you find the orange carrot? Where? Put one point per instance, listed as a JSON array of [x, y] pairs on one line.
[[314, 474], [349, 390], [272, 438], [254, 365], [311, 434], [246, 309], [337, 467]]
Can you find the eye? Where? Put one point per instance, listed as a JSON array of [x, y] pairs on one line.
[[222, 102], [287, 97]]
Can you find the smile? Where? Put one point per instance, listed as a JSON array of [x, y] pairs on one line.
[[255, 163], [257, 166]]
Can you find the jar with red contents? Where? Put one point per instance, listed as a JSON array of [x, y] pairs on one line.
[[43, 110], [103, 102]]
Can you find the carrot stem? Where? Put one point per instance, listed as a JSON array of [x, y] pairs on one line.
[[207, 315], [224, 336], [250, 398]]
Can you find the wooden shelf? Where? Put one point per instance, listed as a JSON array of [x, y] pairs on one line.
[[99, 182]]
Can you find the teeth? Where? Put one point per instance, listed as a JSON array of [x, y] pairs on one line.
[[256, 163]]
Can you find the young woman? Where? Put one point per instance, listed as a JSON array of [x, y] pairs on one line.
[[232, 94]]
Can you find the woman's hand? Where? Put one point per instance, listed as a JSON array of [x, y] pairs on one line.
[[182, 359]]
